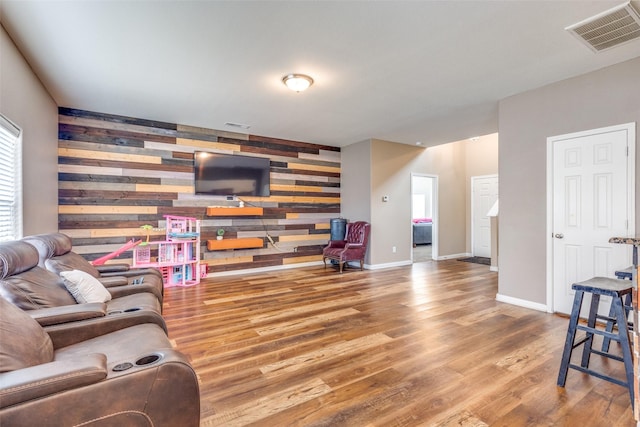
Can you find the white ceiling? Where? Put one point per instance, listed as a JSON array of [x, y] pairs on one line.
[[403, 71]]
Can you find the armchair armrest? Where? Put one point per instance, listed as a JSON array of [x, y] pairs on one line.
[[353, 245], [111, 281], [337, 244], [38, 381], [68, 313], [132, 272], [112, 268]]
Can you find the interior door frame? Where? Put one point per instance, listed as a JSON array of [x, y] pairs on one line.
[[631, 193], [434, 213], [474, 180]]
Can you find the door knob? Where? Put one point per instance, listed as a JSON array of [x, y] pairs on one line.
[[559, 236]]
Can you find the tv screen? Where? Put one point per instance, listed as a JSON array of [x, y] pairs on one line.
[[229, 175]]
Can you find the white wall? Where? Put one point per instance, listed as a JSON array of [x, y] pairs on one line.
[[25, 101]]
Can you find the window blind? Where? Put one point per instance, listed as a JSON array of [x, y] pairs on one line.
[[10, 180]]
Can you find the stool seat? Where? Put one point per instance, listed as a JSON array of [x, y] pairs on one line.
[[604, 286], [597, 287]]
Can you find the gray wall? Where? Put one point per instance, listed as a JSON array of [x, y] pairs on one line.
[[24, 100], [602, 98], [355, 185], [355, 182]]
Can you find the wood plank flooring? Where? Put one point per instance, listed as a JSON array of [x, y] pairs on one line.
[[423, 345]]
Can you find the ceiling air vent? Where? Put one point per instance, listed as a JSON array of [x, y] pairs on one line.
[[237, 125], [608, 29]]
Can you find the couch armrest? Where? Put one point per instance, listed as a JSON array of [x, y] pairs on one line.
[[112, 268], [68, 313], [38, 381], [132, 272], [111, 281]]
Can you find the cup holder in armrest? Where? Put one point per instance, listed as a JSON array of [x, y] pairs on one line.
[[122, 367], [129, 310], [147, 360], [114, 312]]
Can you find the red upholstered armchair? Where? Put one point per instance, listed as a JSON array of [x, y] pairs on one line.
[[353, 248]]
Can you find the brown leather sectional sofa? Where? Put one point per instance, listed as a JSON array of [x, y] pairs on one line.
[[99, 363], [56, 255]]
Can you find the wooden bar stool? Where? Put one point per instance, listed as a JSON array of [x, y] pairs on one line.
[[627, 273], [598, 286]]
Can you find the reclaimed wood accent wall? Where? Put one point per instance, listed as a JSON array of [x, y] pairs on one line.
[[118, 173]]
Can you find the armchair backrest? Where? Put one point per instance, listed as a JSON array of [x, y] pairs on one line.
[[358, 232], [24, 283], [55, 254]]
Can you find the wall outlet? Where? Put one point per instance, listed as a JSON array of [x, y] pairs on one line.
[[393, 249]]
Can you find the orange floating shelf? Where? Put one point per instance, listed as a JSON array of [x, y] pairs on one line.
[[246, 243], [231, 211]]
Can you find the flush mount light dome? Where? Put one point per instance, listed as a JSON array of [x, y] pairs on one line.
[[297, 82]]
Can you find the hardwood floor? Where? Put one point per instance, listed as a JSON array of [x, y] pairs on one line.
[[425, 344]]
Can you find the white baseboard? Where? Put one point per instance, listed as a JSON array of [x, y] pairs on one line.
[[452, 256], [493, 268], [521, 303], [264, 269], [388, 265], [304, 264]]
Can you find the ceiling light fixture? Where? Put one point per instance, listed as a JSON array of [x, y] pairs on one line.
[[297, 82]]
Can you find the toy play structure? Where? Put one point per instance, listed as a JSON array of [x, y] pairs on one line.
[[127, 246], [178, 256]]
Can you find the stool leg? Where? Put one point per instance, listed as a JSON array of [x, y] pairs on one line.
[[625, 342], [610, 323], [628, 306], [591, 322], [571, 335]]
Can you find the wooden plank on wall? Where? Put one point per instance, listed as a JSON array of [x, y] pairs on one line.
[[117, 173], [80, 209]]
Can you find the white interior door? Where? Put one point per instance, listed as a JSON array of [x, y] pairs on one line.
[[592, 185], [484, 193]]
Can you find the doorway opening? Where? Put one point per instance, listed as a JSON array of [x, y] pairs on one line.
[[424, 212]]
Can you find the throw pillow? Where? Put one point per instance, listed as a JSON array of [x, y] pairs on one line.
[[84, 287]]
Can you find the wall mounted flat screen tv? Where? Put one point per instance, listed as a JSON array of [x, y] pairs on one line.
[[230, 175]]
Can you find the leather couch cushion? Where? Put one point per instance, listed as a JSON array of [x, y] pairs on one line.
[[23, 342], [36, 288]]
